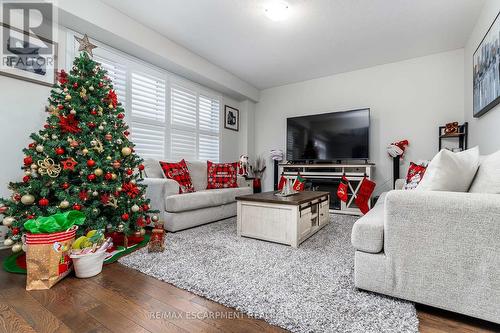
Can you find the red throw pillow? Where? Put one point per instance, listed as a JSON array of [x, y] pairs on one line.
[[415, 174], [222, 175], [180, 173]]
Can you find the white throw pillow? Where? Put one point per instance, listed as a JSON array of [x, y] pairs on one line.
[[488, 176], [450, 171]]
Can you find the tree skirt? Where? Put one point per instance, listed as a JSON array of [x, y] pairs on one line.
[[16, 262]]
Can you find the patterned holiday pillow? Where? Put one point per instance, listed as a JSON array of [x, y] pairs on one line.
[[415, 174], [222, 175], [180, 173]]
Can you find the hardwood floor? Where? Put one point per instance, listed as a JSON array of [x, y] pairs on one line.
[[124, 300]]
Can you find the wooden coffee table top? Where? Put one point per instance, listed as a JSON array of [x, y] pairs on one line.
[[296, 199]]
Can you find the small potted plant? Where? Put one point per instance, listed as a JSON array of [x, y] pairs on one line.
[[257, 170]]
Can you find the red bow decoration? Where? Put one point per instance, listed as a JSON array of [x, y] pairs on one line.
[[83, 195], [131, 189], [69, 124], [113, 98], [62, 77], [105, 198]]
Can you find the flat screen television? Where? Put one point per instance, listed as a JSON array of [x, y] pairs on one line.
[[329, 136]]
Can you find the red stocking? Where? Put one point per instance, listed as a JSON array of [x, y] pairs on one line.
[[364, 193], [343, 189]]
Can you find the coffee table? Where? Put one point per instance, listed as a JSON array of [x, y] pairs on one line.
[[286, 220]]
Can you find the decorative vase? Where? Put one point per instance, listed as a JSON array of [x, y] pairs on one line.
[[257, 187]]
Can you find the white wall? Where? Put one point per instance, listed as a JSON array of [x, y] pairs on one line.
[[408, 100], [484, 131]]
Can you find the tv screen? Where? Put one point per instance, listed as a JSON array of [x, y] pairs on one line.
[[329, 136]]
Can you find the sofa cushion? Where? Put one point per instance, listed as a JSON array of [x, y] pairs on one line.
[[152, 168], [488, 176], [450, 171], [180, 173], [368, 232], [204, 198], [222, 175], [198, 172]]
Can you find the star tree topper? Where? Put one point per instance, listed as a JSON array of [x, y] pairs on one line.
[[85, 44]]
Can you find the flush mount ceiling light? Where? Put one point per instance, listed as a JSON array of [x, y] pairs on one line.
[[277, 10]]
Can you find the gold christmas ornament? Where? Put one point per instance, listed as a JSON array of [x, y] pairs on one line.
[[39, 148], [85, 44], [126, 151], [27, 199], [85, 151], [67, 97], [91, 88], [64, 204], [73, 111], [98, 172], [143, 231], [135, 208], [114, 176], [83, 93], [47, 166], [7, 221], [8, 242], [98, 147]]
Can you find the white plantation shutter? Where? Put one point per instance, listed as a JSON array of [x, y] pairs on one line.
[[195, 125], [118, 75], [148, 111]]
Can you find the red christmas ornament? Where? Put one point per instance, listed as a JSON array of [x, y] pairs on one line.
[[125, 217], [46, 126], [69, 164], [145, 207], [93, 112], [129, 172], [26, 179], [62, 77], [126, 133], [30, 217], [69, 124], [60, 107], [90, 163], [59, 151], [140, 222], [77, 207], [141, 167], [91, 177], [28, 160], [100, 84], [108, 137], [64, 186], [31, 145], [16, 197], [112, 98], [108, 176], [15, 231], [75, 85], [91, 125], [43, 202], [116, 164], [120, 116]]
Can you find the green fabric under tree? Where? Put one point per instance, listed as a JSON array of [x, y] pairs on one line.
[[81, 160]]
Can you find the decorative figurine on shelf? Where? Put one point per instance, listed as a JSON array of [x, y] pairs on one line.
[[157, 240], [243, 165], [451, 128]]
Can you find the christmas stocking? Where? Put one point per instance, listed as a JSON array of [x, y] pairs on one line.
[[299, 183], [364, 193], [343, 188], [282, 183]]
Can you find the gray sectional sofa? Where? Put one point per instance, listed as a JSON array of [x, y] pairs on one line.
[[436, 248], [182, 211]]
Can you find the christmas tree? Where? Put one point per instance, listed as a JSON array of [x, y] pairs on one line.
[[82, 159]]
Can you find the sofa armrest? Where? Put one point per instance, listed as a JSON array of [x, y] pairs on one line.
[[241, 181], [399, 184], [158, 189]]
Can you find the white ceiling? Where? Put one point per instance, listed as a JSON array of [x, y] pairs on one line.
[[320, 38]]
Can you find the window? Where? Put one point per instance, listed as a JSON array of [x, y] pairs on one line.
[[195, 125], [169, 118]]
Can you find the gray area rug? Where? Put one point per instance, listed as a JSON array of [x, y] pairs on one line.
[[309, 289]]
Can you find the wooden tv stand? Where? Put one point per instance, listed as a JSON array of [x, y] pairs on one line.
[[332, 172]]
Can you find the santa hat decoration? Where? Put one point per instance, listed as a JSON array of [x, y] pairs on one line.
[[397, 148]]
